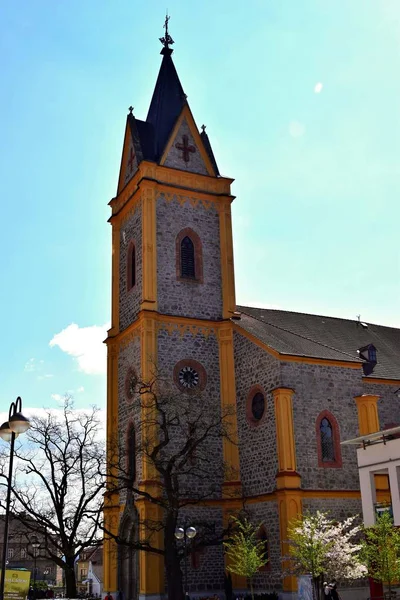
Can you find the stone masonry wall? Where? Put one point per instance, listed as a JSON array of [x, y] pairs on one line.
[[267, 514], [257, 444], [175, 160], [174, 347], [130, 300], [180, 297], [318, 388], [338, 508], [128, 409]]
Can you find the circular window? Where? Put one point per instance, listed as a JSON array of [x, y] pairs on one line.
[[131, 382], [256, 405], [189, 376]]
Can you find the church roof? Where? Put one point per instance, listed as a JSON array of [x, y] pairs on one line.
[[331, 338], [166, 104]]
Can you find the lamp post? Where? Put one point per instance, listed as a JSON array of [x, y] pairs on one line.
[[35, 546], [9, 431], [185, 533]]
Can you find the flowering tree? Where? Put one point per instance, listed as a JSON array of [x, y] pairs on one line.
[[381, 550], [245, 552], [325, 548]]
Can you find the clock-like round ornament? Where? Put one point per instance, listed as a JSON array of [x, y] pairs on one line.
[[188, 377]]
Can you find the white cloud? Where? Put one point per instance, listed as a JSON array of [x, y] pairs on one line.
[[85, 344], [30, 365], [318, 87], [56, 397], [296, 129], [80, 389], [45, 376]]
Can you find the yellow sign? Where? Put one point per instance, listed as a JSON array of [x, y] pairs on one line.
[[16, 585]]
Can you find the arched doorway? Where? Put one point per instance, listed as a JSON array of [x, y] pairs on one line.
[[128, 558]]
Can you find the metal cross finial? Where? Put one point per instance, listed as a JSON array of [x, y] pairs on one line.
[[203, 128], [130, 109], [167, 39]]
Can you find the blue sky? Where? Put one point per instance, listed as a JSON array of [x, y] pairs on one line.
[[317, 170]]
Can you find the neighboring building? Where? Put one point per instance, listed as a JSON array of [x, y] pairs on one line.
[[378, 455], [82, 569], [26, 550], [299, 383], [95, 573]]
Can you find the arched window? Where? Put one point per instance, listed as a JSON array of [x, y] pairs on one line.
[[131, 266], [131, 452], [189, 260], [262, 536], [188, 269], [328, 440]]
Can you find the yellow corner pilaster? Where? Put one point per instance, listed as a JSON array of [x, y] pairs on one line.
[[290, 507], [110, 553], [368, 418], [149, 247], [115, 266], [228, 407], [285, 429], [151, 566], [227, 266], [149, 365]]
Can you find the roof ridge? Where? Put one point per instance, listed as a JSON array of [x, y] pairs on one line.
[[354, 358], [295, 312]]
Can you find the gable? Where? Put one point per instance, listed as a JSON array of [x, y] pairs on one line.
[[185, 149], [131, 153]]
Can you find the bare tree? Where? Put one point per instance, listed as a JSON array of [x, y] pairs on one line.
[[179, 437], [58, 485]]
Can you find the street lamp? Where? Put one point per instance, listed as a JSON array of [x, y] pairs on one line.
[[9, 431], [185, 533], [35, 546]]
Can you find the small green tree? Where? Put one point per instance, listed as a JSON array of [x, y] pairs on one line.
[[381, 550], [245, 552]]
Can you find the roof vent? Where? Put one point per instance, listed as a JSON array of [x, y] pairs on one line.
[[368, 354]]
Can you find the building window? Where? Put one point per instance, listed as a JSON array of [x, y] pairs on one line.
[[256, 405], [10, 553], [131, 452], [189, 261], [328, 440], [23, 553], [131, 266], [262, 536]]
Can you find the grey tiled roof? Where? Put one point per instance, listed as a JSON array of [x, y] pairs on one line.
[[315, 336]]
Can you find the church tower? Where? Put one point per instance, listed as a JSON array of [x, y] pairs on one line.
[[173, 293]]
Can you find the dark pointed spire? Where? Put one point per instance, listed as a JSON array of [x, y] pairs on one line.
[[168, 97]]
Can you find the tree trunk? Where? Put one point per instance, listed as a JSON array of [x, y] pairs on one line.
[[251, 588], [172, 562], [317, 587], [70, 579]]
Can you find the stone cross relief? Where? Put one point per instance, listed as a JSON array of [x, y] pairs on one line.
[[186, 148]]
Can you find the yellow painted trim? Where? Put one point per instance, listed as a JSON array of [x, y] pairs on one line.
[[187, 114], [110, 567], [368, 418], [284, 429], [286, 482], [381, 381], [333, 494], [151, 566], [127, 139], [173, 180], [148, 368], [228, 403], [290, 507], [227, 266], [149, 248], [115, 268]]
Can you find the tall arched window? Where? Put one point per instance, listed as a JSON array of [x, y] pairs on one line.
[[328, 440], [131, 453], [188, 269], [189, 259], [131, 266]]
